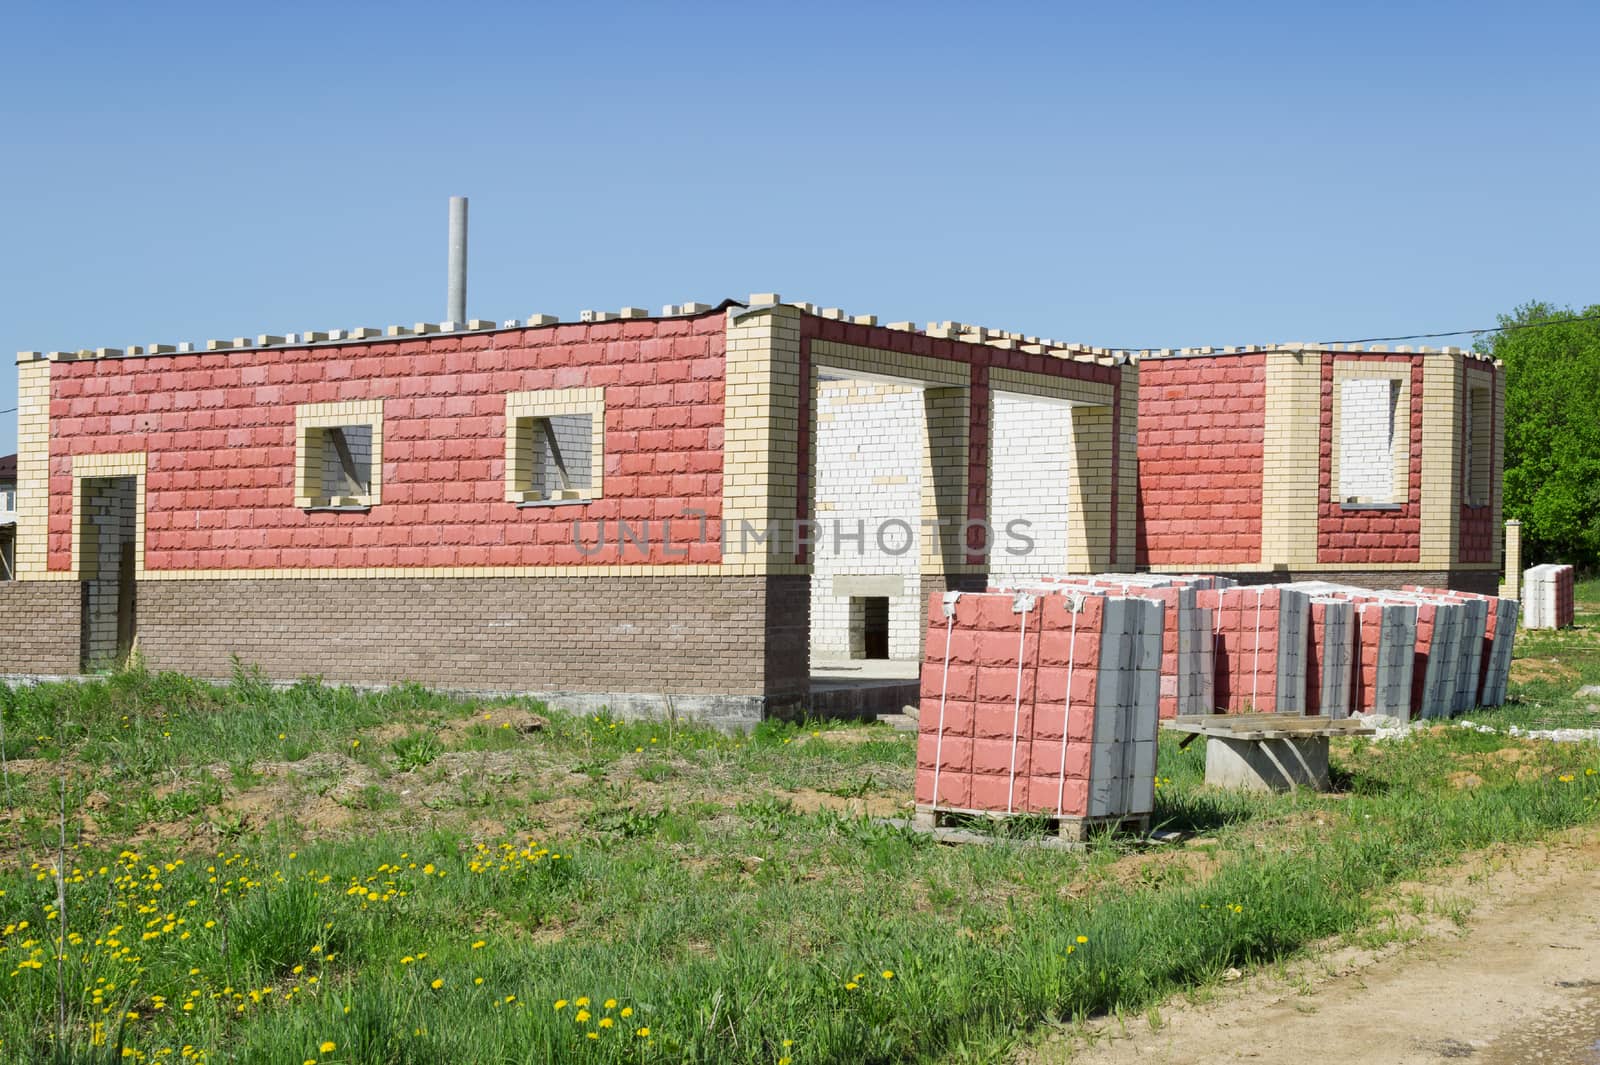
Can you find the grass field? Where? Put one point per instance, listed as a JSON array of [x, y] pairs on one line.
[[314, 874]]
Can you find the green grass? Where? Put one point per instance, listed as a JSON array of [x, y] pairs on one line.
[[302, 865]]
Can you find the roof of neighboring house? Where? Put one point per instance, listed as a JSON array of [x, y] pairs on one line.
[[8, 467]]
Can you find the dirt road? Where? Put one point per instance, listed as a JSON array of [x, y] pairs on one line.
[[1519, 983]]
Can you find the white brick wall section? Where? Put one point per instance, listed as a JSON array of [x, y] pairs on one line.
[[1366, 440], [869, 442], [1030, 463]]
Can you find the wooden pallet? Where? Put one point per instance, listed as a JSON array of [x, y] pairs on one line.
[[1284, 726], [1075, 830]]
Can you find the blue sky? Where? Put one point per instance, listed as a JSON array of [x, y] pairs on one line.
[[1120, 174]]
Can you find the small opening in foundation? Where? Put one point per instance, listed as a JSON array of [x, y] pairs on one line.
[[869, 626]]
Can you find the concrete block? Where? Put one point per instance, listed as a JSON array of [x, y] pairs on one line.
[[1267, 765]]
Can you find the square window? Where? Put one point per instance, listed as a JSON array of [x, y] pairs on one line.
[[340, 453], [555, 446]]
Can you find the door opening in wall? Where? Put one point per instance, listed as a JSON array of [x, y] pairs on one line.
[[107, 565], [869, 622], [869, 443]]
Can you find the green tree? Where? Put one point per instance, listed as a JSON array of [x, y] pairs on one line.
[[1552, 470]]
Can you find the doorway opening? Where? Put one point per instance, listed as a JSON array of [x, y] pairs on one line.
[[108, 539]]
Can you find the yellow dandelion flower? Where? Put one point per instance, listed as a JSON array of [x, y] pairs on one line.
[[561, 1003], [437, 984], [593, 1035], [611, 1003], [606, 1022], [583, 1001], [581, 1016], [643, 1033], [479, 945], [328, 1047], [627, 1011], [888, 974]]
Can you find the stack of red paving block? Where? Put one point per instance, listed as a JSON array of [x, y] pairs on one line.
[[1330, 658], [1499, 630], [1260, 636], [1039, 702], [1386, 639], [1187, 649]]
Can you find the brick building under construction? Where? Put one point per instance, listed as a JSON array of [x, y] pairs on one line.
[[687, 512]]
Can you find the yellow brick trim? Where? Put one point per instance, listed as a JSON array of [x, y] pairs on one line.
[[33, 471], [521, 410], [1045, 386], [1479, 379], [892, 364], [1089, 491], [309, 417], [761, 426], [947, 415], [1348, 370], [1398, 568], [91, 467], [1291, 461], [1498, 469], [464, 572], [1127, 472], [1441, 460]]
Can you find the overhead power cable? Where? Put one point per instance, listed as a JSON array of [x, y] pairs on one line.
[[1465, 332]]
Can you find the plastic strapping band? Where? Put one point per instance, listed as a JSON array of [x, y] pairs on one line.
[[944, 689], [1076, 604], [1022, 604], [1255, 668]]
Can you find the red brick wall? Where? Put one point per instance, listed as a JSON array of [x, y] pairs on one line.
[[1376, 536], [1201, 432], [219, 433]]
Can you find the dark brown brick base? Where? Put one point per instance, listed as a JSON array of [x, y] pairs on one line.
[[724, 648], [39, 626]]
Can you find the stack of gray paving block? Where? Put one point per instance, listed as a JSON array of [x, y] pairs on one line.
[[1122, 766], [1336, 656]]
